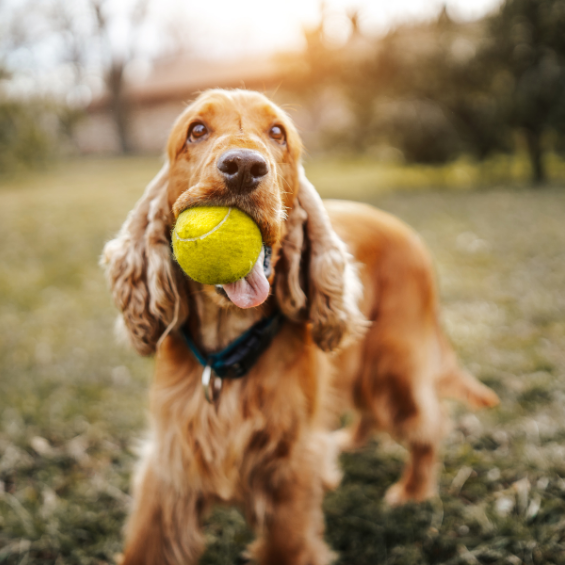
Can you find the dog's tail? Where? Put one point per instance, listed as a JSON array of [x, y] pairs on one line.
[[457, 383], [461, 385]]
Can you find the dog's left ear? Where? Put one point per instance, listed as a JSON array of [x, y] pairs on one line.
[[320, 281]]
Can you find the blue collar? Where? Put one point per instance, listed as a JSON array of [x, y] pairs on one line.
[[237, 359]]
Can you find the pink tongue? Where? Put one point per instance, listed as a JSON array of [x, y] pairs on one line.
[[252, 290]]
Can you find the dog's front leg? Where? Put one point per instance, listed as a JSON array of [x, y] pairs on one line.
[[286, 510], [164, 527]]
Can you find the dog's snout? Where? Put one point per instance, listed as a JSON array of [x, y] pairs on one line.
[[242, 169]]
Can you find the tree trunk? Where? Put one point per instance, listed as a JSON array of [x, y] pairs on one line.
[[118, 105], [533, 139]]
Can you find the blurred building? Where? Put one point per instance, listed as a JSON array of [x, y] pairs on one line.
[[321, 108], [156, 101]]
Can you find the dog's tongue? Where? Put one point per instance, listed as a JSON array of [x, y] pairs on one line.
[[252, 290]]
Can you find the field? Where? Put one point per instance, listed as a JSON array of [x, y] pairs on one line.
[[73, 403]]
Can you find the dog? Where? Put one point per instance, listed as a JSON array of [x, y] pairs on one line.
[[348, 323]]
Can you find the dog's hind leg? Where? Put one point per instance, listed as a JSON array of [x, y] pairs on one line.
[[356, 434], [424, 430], [419, 479], [398, 389], [164, 527], [422, 433]]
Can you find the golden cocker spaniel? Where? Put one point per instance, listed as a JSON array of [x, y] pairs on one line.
[[340, 313]]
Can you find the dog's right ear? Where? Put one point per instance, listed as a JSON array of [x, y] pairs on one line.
[[318, 279], [291, 283], [146, 283]]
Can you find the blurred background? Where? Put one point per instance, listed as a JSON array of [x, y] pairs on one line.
[[450, 115], [419, 82]]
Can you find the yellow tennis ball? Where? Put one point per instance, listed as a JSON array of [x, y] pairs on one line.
[[216, 244]]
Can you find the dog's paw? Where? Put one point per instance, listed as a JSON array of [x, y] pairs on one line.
[[398, 494], [316, 553]]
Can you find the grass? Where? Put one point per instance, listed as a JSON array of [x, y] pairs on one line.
[[73, 403], [359, 177]]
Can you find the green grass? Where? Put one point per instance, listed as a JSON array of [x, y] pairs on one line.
[[73, 403], [359, 177]]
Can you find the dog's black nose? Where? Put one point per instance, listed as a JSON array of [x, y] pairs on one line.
[[242, 169]]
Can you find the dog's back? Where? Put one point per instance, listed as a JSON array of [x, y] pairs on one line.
[[394, 378]]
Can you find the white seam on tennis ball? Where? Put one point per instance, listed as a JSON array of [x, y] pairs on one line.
[[206, 234]]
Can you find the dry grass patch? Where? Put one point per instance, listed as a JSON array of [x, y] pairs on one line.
[[73, 402]]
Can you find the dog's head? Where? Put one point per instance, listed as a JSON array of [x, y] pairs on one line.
[[234, 148]]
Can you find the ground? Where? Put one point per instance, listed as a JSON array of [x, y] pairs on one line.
[[73, 403]]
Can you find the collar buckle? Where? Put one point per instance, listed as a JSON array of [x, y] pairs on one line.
[[237, 358]]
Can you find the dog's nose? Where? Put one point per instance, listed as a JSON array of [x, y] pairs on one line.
[[242, 169]]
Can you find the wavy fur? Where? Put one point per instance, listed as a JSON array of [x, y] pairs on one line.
[[270, 442], [144, 281], [334, 288]]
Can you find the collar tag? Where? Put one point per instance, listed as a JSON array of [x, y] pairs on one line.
[[206, 377]]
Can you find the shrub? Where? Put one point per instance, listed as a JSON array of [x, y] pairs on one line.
[[29, 134]]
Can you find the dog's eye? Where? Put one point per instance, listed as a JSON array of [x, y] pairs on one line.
[[277, 133], [196, 132]]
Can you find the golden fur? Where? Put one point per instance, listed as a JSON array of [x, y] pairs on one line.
[[361, 333]]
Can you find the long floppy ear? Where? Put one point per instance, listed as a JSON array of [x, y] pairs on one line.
[[329, 293], [144, 280], [291, 278]]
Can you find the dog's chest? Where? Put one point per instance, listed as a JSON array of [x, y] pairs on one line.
[[216, 447]]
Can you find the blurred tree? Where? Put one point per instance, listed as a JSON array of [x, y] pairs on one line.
[[29, 133], [527, 62], [29, 126], [112, 52], [435, 90], [420, 88], [72, 50], [115, 61], [458, 68], [437, 103]]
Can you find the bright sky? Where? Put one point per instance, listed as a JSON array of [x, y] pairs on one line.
[[210, 28], [266, 25]]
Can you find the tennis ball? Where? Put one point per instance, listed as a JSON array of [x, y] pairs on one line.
[[216, 244]]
